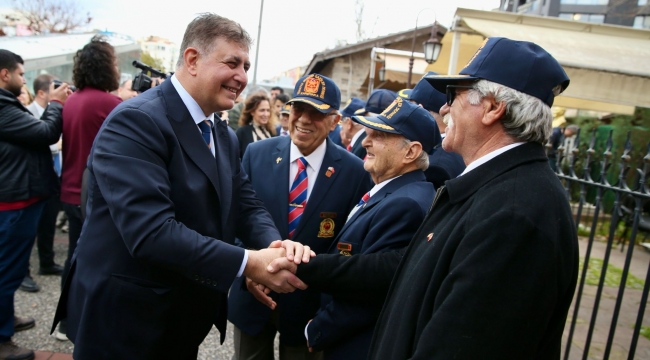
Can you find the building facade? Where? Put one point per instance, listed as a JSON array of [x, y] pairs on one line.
[[634, 13], [163, 49]]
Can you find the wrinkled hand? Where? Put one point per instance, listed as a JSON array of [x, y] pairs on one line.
[[281, 264], [296, 251], [279, 281]]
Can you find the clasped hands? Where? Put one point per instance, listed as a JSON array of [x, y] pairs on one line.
[[273, 269]]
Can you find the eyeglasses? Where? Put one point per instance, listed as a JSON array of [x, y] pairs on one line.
[[451, 92]]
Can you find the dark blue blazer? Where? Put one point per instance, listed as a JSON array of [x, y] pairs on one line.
[[155, 258], [443, 165], [335, 135], [358, 149], [343, 328], [267, 163]]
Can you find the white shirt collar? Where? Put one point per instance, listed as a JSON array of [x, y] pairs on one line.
[[356, 137], [191, 104], [39, 109], [315, 159], [379, 186], [442, 135], [489, 156]]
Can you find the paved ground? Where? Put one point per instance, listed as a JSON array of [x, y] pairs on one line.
[[41, 306]]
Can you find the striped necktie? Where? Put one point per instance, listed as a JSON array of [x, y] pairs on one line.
[[206, 130], [298, 196], [364, 199]]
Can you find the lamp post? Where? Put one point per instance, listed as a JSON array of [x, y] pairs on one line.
[[431, 47]]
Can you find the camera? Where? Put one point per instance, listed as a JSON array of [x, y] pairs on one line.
[[58, 83], [142, 81]]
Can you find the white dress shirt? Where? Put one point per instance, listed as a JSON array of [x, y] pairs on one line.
[[314, 160], [194, 109], [373, 191], [489, 156], [198, 116]]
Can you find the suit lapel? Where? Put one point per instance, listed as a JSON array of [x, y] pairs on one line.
[[189, 136], [322, 184], [281, 161]]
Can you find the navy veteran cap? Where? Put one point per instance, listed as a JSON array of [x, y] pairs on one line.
[[520, 65], [318, 91], [425, 94], [378, 101], [405, 94], [286, 108], [407, 119], [353, 105]]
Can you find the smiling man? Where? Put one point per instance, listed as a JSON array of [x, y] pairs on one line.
[[166, 198], [309, 186]]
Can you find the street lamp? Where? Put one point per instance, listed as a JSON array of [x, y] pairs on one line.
[[431, 47]]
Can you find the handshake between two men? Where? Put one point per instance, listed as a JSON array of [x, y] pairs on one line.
[[273, 269]]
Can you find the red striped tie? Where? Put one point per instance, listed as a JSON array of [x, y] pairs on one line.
[[298, 196]]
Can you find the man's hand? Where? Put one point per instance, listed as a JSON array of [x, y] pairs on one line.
[[61, 93], [296, 251], [282, 264], [261, 293], [279, 281]]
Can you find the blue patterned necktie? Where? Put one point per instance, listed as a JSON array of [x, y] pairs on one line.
[[206, 130], [298, 196]]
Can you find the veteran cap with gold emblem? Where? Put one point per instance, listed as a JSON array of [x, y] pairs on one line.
[[520, 65], [318, 91], [407, 119]]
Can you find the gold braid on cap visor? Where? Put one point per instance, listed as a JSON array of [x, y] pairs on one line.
[[321, 107], [379, 125]]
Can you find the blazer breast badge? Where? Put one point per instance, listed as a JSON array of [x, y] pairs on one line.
[[326, 228]]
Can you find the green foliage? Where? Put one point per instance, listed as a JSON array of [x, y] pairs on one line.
[[154, 62], [645, 332], [613, 276]]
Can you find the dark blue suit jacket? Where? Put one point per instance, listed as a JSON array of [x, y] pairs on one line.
[[343, 328], [155, 258], [358, 149], [443, 165], [267, 163]]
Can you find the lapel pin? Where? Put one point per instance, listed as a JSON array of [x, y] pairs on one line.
[[329, 172], [277, 161], [429, 237]]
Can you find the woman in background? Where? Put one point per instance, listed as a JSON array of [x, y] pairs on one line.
[[255, 122], [25, 96]]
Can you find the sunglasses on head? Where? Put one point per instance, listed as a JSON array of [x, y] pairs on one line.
[[451, 92]]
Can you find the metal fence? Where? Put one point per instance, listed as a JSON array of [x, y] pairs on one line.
[[584, 171]]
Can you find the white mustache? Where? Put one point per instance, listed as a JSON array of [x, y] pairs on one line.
[[448, 120]]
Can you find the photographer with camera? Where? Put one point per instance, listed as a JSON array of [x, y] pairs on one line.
[[95, 74]]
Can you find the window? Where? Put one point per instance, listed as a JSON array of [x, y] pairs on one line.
[[643, 2], [642, 22], [587, 2], [592, 18]]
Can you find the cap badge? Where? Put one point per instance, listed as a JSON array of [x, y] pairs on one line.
[[393, 108], [311, 86]]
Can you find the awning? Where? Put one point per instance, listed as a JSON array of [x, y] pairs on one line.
[[396, 63], [609, 66]]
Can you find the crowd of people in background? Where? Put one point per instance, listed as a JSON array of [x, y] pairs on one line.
[[344, 180]]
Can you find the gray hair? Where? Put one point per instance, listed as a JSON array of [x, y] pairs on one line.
[[202, 32], [526, 119], [422, 161]]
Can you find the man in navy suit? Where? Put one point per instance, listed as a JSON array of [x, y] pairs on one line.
[[166, 198], [349, 127], [385, 219], [336, 180], [443, 165]]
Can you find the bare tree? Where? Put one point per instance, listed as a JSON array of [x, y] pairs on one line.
[[358, 19], [52, 16]]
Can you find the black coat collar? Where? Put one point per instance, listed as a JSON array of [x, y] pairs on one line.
[[465, 186]]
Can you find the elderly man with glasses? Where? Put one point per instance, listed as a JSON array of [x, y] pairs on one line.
[[490, 274]]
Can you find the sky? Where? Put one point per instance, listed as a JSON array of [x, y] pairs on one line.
[[292, 30]]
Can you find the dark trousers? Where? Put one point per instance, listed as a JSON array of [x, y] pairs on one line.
[[46, 230], [17, 232], [74, 231]]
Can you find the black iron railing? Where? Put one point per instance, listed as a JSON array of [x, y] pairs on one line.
[[628, 206]]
